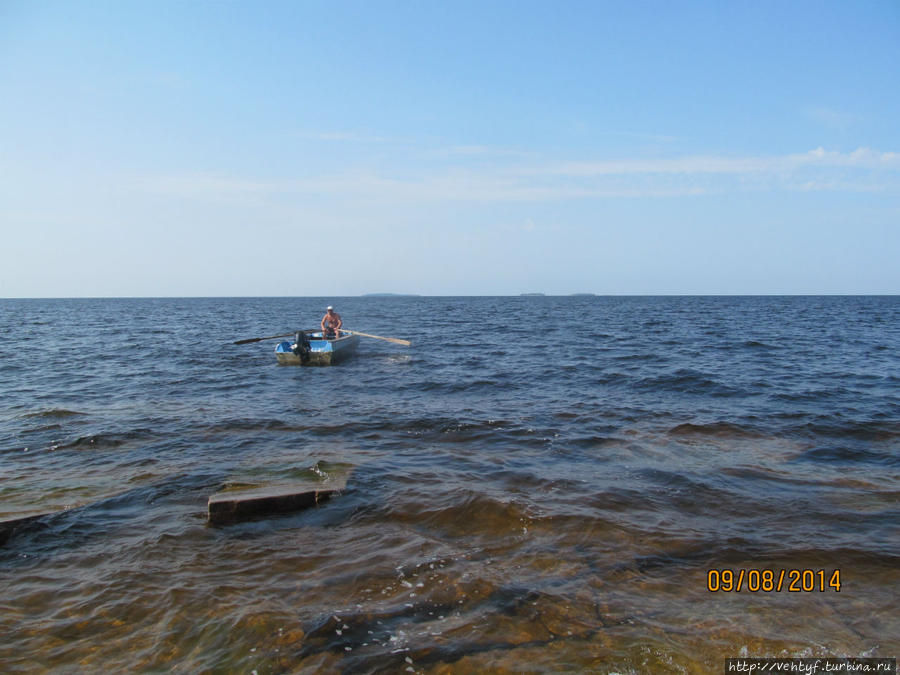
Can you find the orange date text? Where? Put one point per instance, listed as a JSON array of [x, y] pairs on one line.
[[768, 581]]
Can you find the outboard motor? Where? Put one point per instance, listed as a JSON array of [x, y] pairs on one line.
[[301, 346]]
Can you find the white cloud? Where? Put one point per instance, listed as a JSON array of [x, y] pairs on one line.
[[861, 157]]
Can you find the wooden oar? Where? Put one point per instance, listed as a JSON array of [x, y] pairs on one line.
[[268, 337], [378, 337]]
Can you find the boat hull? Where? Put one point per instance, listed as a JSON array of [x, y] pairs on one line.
[[321, 352]]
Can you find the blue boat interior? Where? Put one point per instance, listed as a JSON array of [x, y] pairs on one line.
[[316, 344]]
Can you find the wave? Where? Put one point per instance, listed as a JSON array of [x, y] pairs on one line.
[[105, 441], [248, 424], [98, 441], [53, 412], [688, 381], [592, 442], [716, 429], [810, 395], [459, 387], [637, 357], [872, 431], [843, 454], [770, 555], [612, 378], [420, 426], [753, 344]]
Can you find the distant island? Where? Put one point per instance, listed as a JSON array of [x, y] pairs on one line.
[[390, 295], [571, 295]]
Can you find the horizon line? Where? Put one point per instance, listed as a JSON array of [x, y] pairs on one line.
[[452, 295]]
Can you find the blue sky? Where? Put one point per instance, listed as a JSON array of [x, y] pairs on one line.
[[449, 148]]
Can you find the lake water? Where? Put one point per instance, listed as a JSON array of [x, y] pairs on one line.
[[537, 484]]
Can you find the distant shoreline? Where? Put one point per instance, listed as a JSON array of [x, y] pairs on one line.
[[390, 295]]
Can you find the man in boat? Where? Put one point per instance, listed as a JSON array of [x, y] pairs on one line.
[[331, 324]]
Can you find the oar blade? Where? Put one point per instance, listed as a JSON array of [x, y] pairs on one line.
[[405, 343], [398, 341], [257, 339]]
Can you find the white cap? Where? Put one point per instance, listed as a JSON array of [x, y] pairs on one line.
[[330, 307]]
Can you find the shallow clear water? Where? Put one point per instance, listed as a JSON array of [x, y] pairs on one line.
[[537, 483]]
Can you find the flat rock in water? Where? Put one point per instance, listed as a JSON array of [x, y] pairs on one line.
[[8, 526], [239, 502], [12, 523]]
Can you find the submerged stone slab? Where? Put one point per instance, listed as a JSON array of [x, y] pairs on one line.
[[240, 502], [30, 518], [8, 526]]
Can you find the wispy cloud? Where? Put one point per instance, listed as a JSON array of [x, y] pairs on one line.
[[435, 149], [831, 118], [861, 158], [863, 170], [480, 151], [653, 138], [343, 137], [199, 184]]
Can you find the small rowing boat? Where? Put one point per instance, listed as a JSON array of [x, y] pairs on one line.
[[313, 349]]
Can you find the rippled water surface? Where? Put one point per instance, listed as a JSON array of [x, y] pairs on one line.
[[536, 484]]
